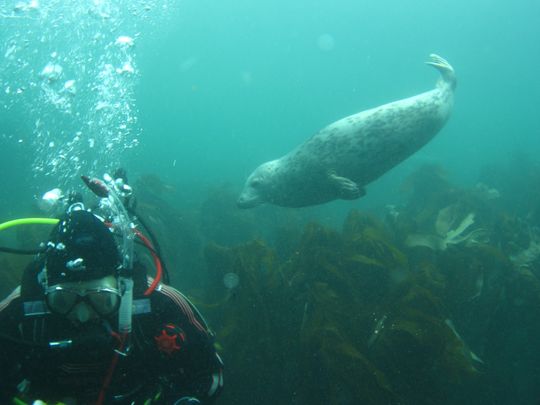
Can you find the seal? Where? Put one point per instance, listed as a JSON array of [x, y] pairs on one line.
[[342, 158]]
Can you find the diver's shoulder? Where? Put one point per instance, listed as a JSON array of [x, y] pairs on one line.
[[166, 295]]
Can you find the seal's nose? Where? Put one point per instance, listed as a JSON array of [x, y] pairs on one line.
[[244, 202], [241, 203]]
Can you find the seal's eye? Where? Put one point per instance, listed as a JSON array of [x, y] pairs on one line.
[[255, 183]]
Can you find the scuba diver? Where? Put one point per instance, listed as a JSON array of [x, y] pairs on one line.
[[88, 325]]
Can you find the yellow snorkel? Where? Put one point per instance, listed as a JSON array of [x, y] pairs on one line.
[[25, 221], [28, 221]]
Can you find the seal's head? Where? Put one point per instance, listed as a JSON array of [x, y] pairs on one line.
[[258, 187]]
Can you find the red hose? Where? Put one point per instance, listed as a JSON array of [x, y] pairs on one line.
[[157, 263], [122, 338], [108, 378]]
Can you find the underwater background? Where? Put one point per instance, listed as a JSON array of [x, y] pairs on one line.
[[425, 291]]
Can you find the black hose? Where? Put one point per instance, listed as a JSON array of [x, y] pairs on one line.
[[4, 249], [19, 341]]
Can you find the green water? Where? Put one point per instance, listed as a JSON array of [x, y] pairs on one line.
[[209, 90]]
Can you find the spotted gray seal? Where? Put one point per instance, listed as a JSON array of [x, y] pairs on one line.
[[339, 160]]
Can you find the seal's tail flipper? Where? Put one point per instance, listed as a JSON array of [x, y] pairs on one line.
[[442, 65]]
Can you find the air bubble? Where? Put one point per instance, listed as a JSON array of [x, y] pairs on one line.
[[66, 79], [69, 87], [127, 68], [124, 41], [231, 280], [51, 72]]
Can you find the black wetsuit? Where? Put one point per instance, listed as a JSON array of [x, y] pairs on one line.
[[55, 358]]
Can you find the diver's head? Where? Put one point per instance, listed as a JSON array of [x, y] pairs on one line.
[[81, 268]]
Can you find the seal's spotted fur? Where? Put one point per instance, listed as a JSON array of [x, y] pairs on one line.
[[342, 158]]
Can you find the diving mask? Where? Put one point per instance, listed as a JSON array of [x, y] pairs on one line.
[[103, 299]]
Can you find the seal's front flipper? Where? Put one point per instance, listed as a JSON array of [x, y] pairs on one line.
[[347, 189]]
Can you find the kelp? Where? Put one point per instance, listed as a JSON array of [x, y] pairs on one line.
[[253, 324], [366, 236], [315, 311], [451, 228], [423, 358], [306, 315], [338, 320], [331, 348]]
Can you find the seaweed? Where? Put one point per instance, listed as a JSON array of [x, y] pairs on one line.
[[424, 359], [251, 322], [336, 313], [315, 306]]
